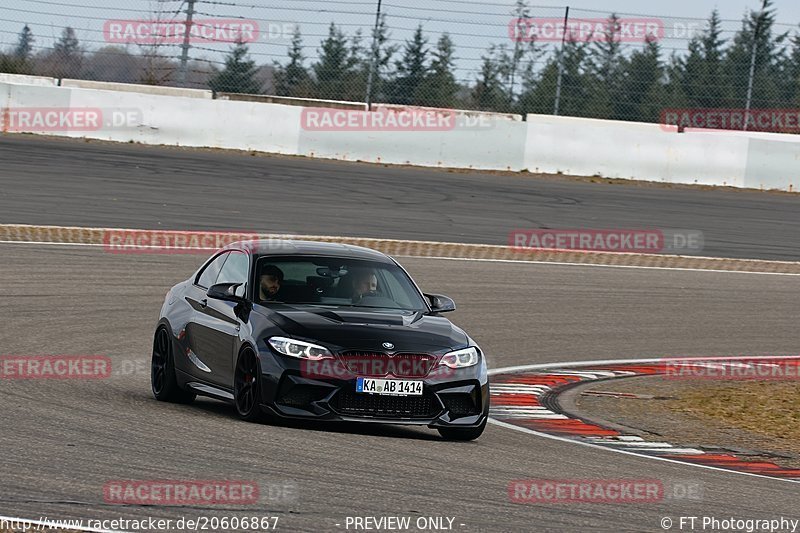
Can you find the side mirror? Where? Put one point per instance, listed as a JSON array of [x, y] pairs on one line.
[[226, 291], [441, 303]]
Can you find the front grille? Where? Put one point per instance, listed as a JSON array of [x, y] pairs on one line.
[[347, 402], [377, 364], [459, 404]]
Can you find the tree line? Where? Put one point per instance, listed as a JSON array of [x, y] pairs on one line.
[[598, 79]]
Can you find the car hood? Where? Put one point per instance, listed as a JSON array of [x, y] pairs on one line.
[[350, 329]]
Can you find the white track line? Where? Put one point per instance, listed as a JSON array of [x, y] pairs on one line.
[[607, 362], [581, 364], [593, 265], [634, 454]]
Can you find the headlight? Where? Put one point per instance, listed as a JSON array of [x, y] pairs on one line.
[[299, 349], [461, 358]]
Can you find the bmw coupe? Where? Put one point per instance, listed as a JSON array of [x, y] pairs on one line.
[[319, 331]]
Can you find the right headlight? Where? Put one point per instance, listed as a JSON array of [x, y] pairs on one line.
[[299, 349], [461, 358]]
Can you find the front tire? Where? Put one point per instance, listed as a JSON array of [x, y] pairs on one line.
[[162, 371], [463, 434], [247, 387]]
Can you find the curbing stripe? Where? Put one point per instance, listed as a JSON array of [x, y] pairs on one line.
[[575, 430], [408, 248]]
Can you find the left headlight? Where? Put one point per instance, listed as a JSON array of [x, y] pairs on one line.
[[461, 358], [299, 349]]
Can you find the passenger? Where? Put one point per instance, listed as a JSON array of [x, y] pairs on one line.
[[270, 283], [366, 284]]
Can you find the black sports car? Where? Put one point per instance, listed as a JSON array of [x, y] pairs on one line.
[[318, 331]]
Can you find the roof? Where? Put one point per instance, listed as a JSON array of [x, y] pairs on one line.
[[293, 247]]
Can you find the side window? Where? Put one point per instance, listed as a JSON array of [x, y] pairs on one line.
[[235, 271], [209, 274]]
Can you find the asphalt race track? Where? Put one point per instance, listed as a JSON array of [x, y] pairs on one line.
[[74, 183], [64, 440]]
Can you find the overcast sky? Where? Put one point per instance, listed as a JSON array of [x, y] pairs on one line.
[[788, 10], [473, 24]]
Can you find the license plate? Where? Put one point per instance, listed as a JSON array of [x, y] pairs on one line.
[[389, 387]]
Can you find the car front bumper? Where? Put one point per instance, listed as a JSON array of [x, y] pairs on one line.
[[451, 398]]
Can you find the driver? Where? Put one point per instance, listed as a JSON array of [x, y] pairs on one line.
[[270, 281], [366, 284]]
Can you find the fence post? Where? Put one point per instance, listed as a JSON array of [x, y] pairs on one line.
[[561, 64], [374, 59], [753, 65], [185, 45]]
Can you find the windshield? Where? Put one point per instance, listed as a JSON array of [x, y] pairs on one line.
[[336, 282]]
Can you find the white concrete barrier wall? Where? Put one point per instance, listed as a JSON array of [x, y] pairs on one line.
[[196, 122], [24, 79], [613, 149], [489, 144], [547, 144], [502, 151], [773, 164], [138, 88], [28, 97], [5, 99], [628, 150], [155, 119]]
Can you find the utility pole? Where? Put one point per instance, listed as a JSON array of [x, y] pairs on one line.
[[186, 38], [374, 59], [753, 65], [561, 64]]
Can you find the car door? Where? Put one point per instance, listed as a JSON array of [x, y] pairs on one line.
[[221, 321], [214, 325]]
